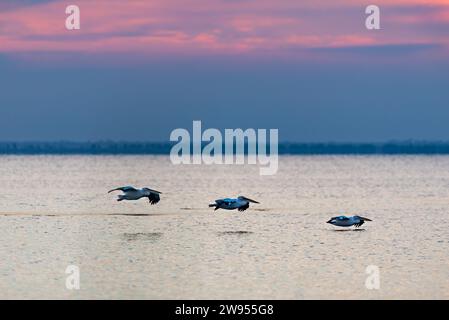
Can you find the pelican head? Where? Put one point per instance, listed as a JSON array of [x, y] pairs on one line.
[[364, 219], [247, 199], [151, 190]]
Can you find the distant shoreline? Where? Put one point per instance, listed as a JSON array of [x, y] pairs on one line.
[[161, 148]]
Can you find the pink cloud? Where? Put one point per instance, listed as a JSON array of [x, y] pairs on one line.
[[182, 27], [352, 40], [253, 23]]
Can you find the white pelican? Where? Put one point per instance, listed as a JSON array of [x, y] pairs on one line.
[[131, 193], [241, 203], [343, 221]]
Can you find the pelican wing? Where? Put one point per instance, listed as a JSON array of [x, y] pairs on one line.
[[124, 189], [359, 224], [228, 201], [340, 218], [154, 198]]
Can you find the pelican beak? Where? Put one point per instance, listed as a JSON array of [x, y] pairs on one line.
[[250, 200], [365, 219]]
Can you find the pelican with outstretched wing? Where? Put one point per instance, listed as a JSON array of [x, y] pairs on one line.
[[343, 221], [131, 193], [241, 203]]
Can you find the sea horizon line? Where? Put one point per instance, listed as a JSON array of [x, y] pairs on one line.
[[109, 147]]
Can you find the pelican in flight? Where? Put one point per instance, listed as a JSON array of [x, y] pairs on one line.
[[131, 193], [241, 203], [343, 221]]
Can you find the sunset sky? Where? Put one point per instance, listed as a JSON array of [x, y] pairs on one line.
[[139, 69]]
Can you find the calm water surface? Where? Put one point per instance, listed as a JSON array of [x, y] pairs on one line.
[[55, 212]]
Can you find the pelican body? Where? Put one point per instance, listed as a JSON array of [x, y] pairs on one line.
[[343, 221], [131, 193], [241, 203]]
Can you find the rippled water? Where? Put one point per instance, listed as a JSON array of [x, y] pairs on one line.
[[55, 212]]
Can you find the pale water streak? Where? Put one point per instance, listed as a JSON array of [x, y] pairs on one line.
[[55, 211]]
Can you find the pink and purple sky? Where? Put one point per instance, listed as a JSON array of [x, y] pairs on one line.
[[223, 27], [309, 68]]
